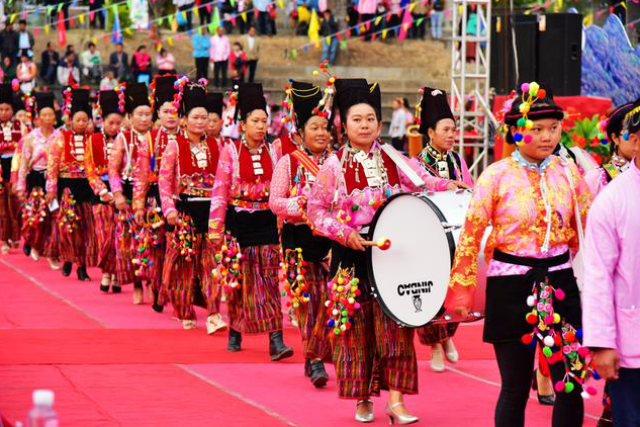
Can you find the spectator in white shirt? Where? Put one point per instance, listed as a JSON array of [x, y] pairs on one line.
[[91, 63], [219, 54], [68, 73], [398, 127], [166, 63]]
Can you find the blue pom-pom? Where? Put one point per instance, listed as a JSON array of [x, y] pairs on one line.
[[596, 375], [518, 137], [579, 335], [331, 323], [150, 263]]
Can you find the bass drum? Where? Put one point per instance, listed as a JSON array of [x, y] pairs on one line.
[[410, 280]]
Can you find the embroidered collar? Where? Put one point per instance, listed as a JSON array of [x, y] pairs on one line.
[[531, 166]]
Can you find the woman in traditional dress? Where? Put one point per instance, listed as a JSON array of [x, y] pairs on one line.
[[121, 164], [438, 158], [67, 185], [151, 242], [240, 205], [186, 180], [372, 352], [99, 151], [531, 200], [37, 219], [303, 268], [621, 148], [10, 135]]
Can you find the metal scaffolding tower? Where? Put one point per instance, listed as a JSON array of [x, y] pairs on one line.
[[470, 63]]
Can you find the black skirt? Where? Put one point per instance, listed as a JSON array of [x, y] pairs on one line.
[[343, 257], [5, 164], [80, 188], [197, 210], [506, 304], [314, 248], [257, 228], [35, 179]]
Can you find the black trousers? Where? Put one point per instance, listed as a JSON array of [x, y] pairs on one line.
[[202, 67], [220, 71], [205, 15], [188, 9], [515, 362], [252, 65], [625, 398]]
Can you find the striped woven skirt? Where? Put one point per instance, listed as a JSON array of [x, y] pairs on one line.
[[436, 334], [188, 281], [78, 243], [312, 316], [9, 214], [255, 308], [105, 227], [52, 246], [375, 354], [124, 231]]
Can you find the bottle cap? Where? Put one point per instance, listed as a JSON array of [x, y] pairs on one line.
[[43, 397]]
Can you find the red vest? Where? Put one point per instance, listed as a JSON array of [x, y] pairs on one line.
[[246, 164], [67, 157], [9, 146], [188, 164], [350, 172]]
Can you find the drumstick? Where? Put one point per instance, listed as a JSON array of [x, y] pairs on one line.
[[382, 244]]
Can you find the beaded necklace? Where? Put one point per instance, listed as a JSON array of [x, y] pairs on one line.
[[256, 156], [199, 152], [77, 146], [374, 169]]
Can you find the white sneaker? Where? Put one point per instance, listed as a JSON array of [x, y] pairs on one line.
[[450, 351], [4, 248], [437, 358], [188, 324], [35, 255], [215, 323], [54, 264]]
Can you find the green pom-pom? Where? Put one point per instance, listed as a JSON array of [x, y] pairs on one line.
[[568, 387]]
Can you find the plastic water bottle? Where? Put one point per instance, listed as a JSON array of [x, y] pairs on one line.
[[42, 413]]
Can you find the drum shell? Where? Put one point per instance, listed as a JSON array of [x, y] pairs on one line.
[[450, 208]]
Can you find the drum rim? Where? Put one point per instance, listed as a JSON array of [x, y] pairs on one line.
[[371, 276]]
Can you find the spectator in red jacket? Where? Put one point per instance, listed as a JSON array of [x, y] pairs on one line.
[[238, 63]]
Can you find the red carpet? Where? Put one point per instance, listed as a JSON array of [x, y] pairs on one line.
[[114, 364]]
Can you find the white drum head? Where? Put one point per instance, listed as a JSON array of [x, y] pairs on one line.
[[411, 278]]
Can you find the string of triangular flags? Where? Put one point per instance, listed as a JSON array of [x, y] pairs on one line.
[[363, 29]]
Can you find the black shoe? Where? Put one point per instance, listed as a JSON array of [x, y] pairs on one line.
[[277, 349], [116, 288], [66, 269], [546, 400], [82, 274], [235, 340], [26, 250], [319, 376], [156, 307], [307, 368], [104, 288]]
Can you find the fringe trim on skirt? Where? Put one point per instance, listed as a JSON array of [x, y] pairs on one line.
[[255, 308]]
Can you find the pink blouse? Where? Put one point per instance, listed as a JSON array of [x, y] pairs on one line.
[[509, 195], [285, 195], [122, 158], [143, 173], [169, 179], [329, 201], [229, 186], [34, 155]]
